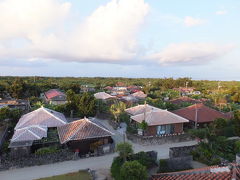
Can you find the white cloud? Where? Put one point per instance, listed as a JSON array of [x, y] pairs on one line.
[[190, 53], [30, 29], [221, 12], [190, 21], [26, 18]]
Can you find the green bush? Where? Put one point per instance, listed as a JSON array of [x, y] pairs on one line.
[[116, 166], [132, 129], [163, 166], [124, 149], [5, 148], [237, 147], [124, 117], [46, 150], [133, 170], [199, 133], [143, 158]]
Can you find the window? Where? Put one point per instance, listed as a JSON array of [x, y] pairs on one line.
[[165, 129]]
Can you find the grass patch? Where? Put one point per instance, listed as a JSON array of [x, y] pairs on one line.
[[80, 175]]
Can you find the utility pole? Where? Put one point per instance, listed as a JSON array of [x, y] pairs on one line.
[[186, 84]]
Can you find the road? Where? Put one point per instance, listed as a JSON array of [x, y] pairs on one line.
[[102, 162]]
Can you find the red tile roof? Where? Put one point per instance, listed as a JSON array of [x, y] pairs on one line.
[[53, 93], [213, 173], [204, 114], [80, 130]]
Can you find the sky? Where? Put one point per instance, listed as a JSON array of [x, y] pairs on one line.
[[121, 38]]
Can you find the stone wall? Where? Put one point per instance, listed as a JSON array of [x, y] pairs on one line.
[[3, 135], [8, 162], [151, 140], [180, 162], [181, 151]]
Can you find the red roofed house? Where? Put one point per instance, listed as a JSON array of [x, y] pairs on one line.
[[54, 96], [86, 136], [139, 95], [199, 114], [160, 122], [230, 172]]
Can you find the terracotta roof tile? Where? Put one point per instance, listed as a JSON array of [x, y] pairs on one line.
[[80, 130], [53, 93], [204, 113], [207, 173]]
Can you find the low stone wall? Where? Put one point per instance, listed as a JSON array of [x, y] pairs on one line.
[[149, 140], [180, 162], [7, 162], [181, 151]]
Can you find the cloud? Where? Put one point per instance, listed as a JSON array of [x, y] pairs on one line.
[[190, 53], [27, 18], [221, 12], [190, 21], [35, 29]]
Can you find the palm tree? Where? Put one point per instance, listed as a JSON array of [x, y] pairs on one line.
[[116, 109]]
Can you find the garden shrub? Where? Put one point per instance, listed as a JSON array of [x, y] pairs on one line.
[[46, 150], [131, 129], [163, 166], [143, 158], [133, 170], [116, 166]]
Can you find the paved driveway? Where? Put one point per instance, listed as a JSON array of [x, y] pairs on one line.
[[102, 162]]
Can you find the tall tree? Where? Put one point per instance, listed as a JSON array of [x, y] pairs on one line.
[[87, 105], [116, 109], [18, 88]]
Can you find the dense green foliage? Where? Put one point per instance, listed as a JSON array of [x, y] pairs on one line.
[[116, 109], [116, 166], [214, 145], [124, 149], [142, 158], [11, 115], [133, 170]]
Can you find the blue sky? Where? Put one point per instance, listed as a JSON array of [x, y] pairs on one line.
[[121, 38]]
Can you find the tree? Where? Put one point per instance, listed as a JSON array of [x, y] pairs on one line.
[[133, 170], [124, 149], [17, 89], [87, 105], [237, 122], [115, 167], [143, 125], [4, 113], [116, 109]]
